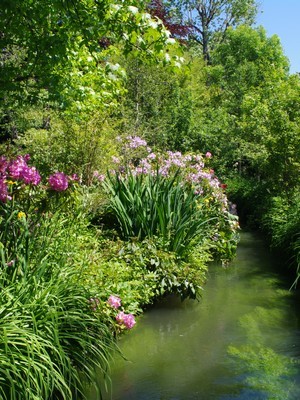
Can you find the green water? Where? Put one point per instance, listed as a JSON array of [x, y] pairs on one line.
[[241, 341]]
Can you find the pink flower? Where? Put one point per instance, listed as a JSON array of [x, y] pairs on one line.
[[127, 320], [3, 191], [3, 165], [74, 178], [16, 168], [98, 176], [31, 175], [208, 154], [114, 301], [19, 170], [58, 182]]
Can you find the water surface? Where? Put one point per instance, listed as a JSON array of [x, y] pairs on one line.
[[241, 341]]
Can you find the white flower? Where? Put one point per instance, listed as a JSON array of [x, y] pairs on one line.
[[170, 41], [133, 9]]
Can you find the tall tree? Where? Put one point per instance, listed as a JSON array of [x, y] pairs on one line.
[[209, 20]]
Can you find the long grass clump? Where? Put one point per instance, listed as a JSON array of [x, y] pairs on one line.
[[149, 205]]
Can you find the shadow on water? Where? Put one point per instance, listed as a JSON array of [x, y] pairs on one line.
[[241, 341]]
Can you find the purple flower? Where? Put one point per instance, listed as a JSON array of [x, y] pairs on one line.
[[3, 165], [31, 175], [19, 170], [127, 320], [74, 178], [136, 141], [114, 301], [16, 168], [10, 263], [98, 176], [3, 191], [58, 181]]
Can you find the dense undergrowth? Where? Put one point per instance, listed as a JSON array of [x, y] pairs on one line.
[[70, 284], [275, 214]]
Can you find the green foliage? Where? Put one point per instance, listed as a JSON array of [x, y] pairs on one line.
[[282, 223], [209, 21], [140, 272], [49, 329], [170, 196], [74, 146], [68, 49], [157, 104], [147, 206], [52, 341]]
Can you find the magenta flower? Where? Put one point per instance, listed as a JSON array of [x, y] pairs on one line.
[[17, 167], [31, 175], [3, 165], [19, 170], [126, 320], [3, 191], [58, 181], [114, 301]]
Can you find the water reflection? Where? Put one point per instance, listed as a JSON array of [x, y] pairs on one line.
[[240, 342]]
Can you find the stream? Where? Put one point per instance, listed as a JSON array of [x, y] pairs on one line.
[[240, 341]]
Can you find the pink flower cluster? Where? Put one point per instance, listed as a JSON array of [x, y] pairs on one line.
[[58, 182], [126, 320], [114, 301], [135, 142], [98, 176], [18, 170]]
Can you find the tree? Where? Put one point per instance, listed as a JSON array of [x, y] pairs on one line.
[[171, 20], [250, 119], [67, 47], [209, 20]]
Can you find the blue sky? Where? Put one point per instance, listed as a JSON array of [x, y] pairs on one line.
[[282, 17]]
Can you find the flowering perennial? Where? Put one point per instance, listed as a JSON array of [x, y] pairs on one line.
[[123, 319], [114, 301], [140, 160], [126, 320], [17, 170], [58, 182]]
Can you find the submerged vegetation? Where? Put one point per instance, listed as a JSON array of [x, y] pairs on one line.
[[138, 137]]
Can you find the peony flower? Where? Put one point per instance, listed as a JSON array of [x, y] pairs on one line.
[[58, 182]]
